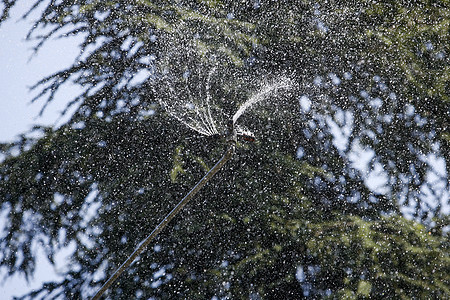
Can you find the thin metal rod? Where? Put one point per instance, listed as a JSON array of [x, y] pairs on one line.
[[166, 220]]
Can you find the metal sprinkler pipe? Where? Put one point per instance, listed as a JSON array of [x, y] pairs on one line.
[[231, 140]]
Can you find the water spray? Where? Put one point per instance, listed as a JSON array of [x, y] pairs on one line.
[[231, 141]]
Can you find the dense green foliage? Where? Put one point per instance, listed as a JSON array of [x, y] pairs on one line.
[[290, 216]]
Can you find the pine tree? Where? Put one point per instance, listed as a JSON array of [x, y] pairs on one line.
[[290, 216]]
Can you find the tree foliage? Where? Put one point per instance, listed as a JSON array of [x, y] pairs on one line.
[[291, 216]]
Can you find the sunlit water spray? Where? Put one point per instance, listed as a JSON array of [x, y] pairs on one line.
[[265, 92], [196, 109], [192, 108]]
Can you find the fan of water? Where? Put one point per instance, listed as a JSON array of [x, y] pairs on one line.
[[194, 106], [190, 105]]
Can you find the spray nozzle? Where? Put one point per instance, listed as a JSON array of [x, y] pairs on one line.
[[236, 132]]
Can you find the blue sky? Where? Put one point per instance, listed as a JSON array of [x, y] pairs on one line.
[[20, 70]]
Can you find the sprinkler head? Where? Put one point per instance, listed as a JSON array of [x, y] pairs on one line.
[[244, 134], [233, 134]]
